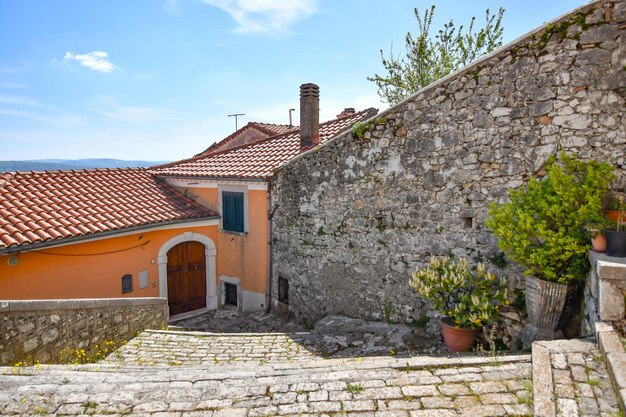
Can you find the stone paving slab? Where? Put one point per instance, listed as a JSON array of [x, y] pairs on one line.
[[333, 336], [421, 386], [570, 379], [165, 348], [227, 319]]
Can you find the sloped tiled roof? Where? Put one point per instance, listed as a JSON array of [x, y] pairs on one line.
[[45, 207], [257, 160], [250, 133]]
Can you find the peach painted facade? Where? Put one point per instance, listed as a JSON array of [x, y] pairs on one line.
[[242, 258], [94, 268]]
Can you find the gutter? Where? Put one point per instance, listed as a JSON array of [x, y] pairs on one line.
[[96, 236]]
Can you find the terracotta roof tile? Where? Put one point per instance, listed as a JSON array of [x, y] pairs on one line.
[[38, 207], [250, 133], [256, 160]]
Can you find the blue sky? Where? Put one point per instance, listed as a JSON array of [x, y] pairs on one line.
[[156, 79]]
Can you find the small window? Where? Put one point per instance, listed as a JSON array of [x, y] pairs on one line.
[[127, 284], [232, 211], [283, 290]]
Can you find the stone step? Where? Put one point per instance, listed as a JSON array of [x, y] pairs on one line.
[[176, 348], [570, 379], [612, 347], [459, 385]]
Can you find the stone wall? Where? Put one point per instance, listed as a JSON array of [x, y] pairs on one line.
[[50, 331], [355, 216], [605, 291]]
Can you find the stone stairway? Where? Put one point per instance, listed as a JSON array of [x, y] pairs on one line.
[[175, 348], [177, 376], [187, 374]]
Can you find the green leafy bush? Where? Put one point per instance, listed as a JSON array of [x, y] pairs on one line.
[[469, 298], [542, 227]]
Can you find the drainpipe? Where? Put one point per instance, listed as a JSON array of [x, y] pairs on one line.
[[268, 286]]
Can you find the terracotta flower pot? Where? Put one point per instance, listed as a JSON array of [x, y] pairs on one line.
[[458, 339], [599, 242], [612, 215]]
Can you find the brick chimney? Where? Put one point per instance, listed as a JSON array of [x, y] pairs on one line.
[[309, 115]]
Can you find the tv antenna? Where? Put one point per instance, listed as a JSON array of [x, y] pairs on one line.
[[236, 115], [290, 123]]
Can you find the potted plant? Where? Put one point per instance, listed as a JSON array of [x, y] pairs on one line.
[[542, 228], [467, 298], [611, 202], [616, 235], [596, 226]]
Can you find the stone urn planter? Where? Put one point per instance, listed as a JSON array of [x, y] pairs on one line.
[[544, 304], [458, 339]]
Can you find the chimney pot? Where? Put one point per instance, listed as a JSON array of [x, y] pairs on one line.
[[309, 115]]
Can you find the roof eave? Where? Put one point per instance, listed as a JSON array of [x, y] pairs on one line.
[[209, 178], [110, 233]]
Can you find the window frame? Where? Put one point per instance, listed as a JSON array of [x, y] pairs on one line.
[[232, 189]]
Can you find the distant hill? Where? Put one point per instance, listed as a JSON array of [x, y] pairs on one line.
[[56, 164]]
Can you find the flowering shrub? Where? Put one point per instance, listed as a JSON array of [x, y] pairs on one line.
[[542, 227], [469, 298]]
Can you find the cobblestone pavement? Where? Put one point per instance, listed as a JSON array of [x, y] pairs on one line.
[[166, 348], [332, 337], [380, 387], [578, 378], [227, 319]]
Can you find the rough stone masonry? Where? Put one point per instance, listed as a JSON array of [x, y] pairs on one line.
[[51, 331], [355, 216]]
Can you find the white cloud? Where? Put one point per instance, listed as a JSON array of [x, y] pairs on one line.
[[265, 16], [59, 120], [9, 84], [129, 114], [96, 60], [171, 6], [18, 100]]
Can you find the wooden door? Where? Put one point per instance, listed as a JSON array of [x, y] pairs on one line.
[[186, 277]]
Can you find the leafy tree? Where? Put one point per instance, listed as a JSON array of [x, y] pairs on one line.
[[542, 227], [429, 59]]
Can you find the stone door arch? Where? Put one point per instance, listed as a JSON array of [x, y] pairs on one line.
[[209, 252]]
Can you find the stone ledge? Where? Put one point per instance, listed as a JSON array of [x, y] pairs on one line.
[[72, 304], [611, 270], [236, 370], [543, 389], [613, 350], [193, 333], [603, 257]]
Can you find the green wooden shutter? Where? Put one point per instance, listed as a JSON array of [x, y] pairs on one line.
[[232, 211]]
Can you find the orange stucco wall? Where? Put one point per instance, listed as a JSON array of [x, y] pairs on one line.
[[241, 255], [90, 269]]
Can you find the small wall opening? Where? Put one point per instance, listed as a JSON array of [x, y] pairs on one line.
[[468, 222], [127, 284], [230, 294], [283, 290]]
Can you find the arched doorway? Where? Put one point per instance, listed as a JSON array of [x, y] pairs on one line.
[[204, 247], [186, 278]]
